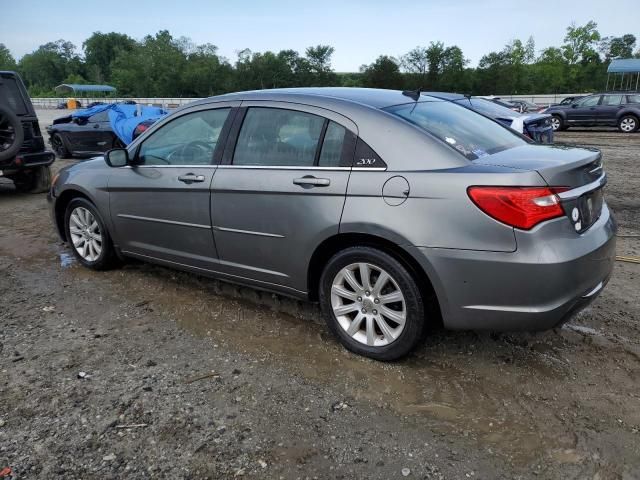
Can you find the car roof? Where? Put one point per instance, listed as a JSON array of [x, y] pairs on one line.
[[372, 97]]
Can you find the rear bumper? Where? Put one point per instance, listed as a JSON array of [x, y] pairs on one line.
[[537, 287], [24, 161]]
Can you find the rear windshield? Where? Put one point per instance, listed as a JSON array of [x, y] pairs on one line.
[[487, 107], [469, 133], [11, 97]]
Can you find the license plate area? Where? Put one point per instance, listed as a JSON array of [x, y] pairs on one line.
[[585, 210]]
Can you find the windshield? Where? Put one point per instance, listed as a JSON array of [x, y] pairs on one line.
[[488, 107], [470, 134]]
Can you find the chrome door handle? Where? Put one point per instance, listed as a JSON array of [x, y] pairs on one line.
[[310, 181], [191, 178]]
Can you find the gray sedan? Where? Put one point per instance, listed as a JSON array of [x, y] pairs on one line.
[[392, 209]]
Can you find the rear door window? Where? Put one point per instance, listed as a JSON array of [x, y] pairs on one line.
[[611, 100], [467, 132], [279, 137], [99, 117]]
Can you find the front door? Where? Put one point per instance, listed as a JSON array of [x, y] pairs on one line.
[[280, 190], [94, 136], [160, 206], [584, 112]]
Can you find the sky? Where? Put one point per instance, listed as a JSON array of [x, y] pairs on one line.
[[359, 30]]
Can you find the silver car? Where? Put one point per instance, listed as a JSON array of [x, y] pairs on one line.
[[391, 209]]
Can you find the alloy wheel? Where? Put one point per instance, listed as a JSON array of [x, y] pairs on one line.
[[555, 123], [628, 124], [368, 304], [85, 234]]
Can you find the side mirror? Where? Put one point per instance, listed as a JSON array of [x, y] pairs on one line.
[[574, 105], [117, 157]]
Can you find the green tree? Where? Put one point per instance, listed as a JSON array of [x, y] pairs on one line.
[[7, 62], [618, 47], [579, 43], [101, 49], [319, 62], [153, 68], [383, 73], [206, 73], [50, 64]]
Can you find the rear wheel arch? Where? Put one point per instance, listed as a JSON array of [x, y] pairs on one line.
[[341, 241]]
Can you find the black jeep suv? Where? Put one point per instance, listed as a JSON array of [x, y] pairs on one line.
[[23, 158]]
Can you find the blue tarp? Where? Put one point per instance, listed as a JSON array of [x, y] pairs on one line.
[[124, 118]]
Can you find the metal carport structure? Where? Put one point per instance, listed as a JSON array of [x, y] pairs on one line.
[[84, 89], [621, 66]]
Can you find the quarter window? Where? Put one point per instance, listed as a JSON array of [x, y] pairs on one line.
[[188, 140], [633, 98], [278, 137]]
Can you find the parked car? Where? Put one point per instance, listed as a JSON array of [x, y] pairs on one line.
[[535, 126], [23, 158], [570, 100], [608, 109], [93, 131], [526, 107], [392, 213]]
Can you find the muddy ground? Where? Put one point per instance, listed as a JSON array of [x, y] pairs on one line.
[[144, 372]]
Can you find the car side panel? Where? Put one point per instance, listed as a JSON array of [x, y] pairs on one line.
[[437, 211]]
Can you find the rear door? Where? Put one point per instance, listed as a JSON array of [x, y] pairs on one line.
[[280, 190], [584, 112], [161, 206], [609, 108]]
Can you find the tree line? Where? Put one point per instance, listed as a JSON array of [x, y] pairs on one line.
[[161, 65]]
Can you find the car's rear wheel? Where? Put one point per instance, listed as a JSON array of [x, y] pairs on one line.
[[628, 124], [11, 134], [372, 303], [557, 123], [57, 143], [88, 236]]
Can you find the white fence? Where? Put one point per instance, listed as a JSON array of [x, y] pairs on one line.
[[543, 99], [156, 102]]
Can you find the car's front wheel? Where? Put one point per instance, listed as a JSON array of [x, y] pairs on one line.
[[372, 303], [57, 143], [628, 124], [557, 123], [88, 236]]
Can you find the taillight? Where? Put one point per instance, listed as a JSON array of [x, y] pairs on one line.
[[520, 207]]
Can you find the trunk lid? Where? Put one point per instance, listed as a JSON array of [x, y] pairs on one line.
[[579, 170]]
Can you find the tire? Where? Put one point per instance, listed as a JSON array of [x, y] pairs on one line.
[[557, 123], [11, 134], [57, 143], [37, 180], [75, 217], [363, 315], [628, 123]]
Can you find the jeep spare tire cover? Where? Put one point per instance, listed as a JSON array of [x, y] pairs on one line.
[[11, 134]]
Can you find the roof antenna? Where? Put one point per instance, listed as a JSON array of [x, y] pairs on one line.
[[413, 94]]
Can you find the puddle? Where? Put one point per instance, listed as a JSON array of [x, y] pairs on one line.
[[66, 260]]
